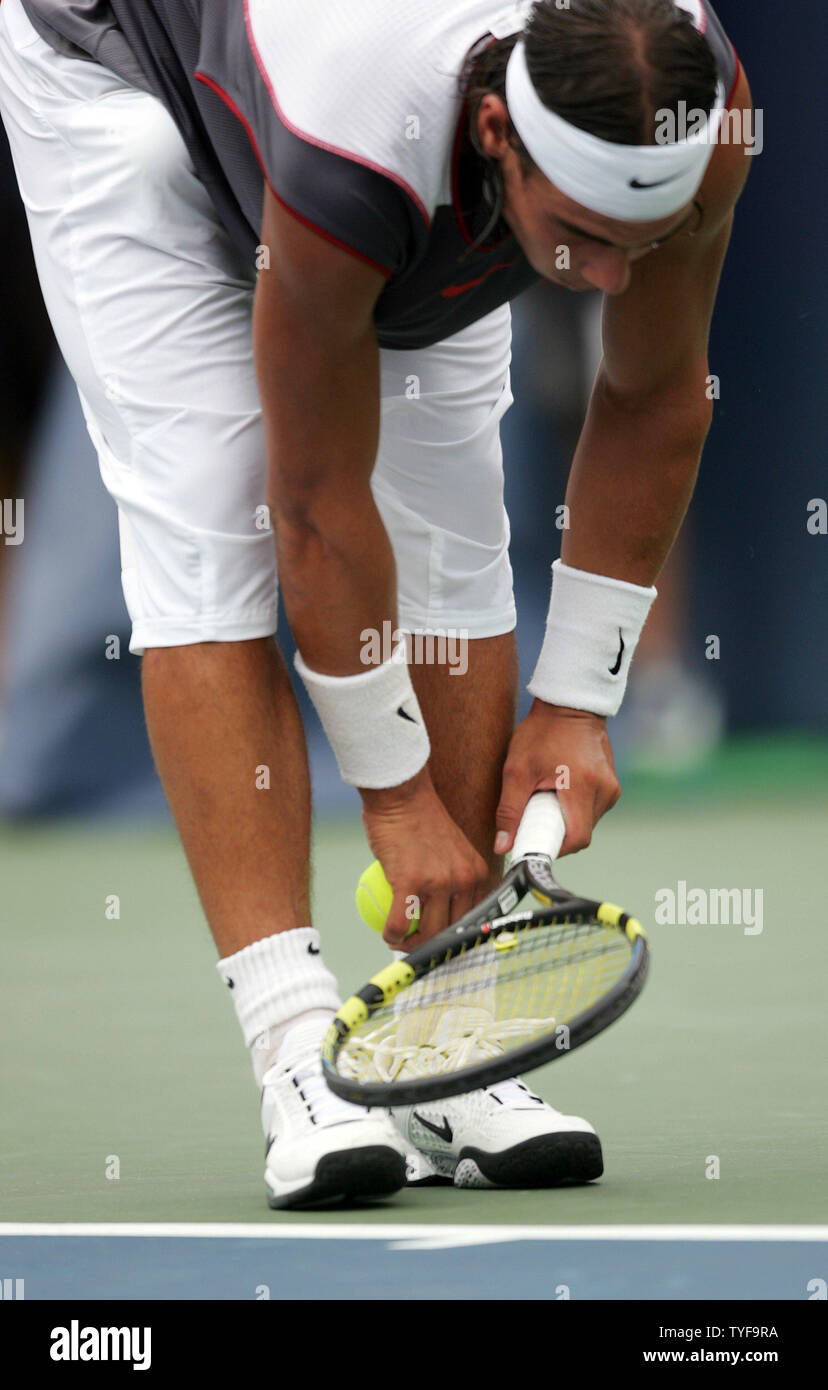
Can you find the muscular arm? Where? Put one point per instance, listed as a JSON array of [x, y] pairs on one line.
[[632, 476], [636, 462], [317, 363]]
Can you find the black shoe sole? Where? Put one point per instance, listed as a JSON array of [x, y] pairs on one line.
[[351, 1175], [549, 1160]]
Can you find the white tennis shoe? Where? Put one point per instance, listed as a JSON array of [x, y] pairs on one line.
[[502, 1136], [320, 1149]]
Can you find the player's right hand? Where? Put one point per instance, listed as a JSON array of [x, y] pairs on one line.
[[431, 866], [550, 741]]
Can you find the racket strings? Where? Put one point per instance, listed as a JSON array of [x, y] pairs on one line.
[[503, 993], [391, 1060]]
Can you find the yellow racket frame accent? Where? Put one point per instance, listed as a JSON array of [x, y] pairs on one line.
[[611, 914], [492, 922], [388, 982]]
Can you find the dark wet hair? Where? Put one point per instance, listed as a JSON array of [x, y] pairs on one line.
[[606, 66]]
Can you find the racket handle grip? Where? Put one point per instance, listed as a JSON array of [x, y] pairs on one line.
[[542, 828]]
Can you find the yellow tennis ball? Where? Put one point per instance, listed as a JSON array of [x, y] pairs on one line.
[[374, 898]]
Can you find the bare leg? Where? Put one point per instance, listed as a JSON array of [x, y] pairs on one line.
[[470, 719], [219, 714]]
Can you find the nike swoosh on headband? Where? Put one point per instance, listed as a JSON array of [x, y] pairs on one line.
[[636, 183]]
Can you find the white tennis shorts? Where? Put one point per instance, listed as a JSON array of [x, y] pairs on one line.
[[152, 308]]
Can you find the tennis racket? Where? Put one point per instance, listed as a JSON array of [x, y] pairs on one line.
[[499, 992]]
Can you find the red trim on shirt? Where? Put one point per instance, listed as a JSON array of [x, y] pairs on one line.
[[462, 124], [314, 226], [735, 79], [323, 144], [451, 290]]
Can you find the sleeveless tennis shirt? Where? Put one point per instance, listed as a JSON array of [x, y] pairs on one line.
[[351, 112]]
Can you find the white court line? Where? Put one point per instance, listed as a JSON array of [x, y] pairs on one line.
[[419, 1235]]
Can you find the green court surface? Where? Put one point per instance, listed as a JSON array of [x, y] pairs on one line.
[[118, 1042]]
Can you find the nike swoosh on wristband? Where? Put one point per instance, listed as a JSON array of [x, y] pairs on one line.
[[403, 715], [443, 1131], [313, 950], [613, 670]]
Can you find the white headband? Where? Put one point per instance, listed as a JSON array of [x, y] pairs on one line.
[[634, 183]]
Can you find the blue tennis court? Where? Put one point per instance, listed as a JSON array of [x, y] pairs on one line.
[[303, 1261]]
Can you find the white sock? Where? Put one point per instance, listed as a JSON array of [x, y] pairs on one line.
[[275, 983]]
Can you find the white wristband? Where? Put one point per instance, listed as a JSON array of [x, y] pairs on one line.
[[372, 720], [592, 631]]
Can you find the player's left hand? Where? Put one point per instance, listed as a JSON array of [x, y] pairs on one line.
[[562, 750]]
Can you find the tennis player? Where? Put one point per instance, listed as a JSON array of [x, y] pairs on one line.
[[278, 244]]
